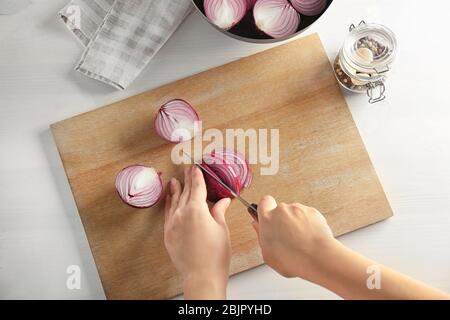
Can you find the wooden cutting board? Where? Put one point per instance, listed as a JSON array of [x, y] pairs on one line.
[[323, 161]]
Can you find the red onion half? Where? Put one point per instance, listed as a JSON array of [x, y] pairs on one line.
[[231, 168], [175, 121], [309, 7], [276, 18], [139, 186], [225, 13]]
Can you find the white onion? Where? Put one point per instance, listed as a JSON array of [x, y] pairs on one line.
[[139, 186], [225, 13], [175, 121], [276, 18], [309, 7]]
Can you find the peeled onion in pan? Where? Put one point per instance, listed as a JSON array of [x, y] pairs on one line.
[[250, 4], [276, 18], [225, 13], [309, 7], [139, 186]]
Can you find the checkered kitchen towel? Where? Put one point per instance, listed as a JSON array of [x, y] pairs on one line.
[[121, 36]]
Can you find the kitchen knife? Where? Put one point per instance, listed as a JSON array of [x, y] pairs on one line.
[[252, 208]]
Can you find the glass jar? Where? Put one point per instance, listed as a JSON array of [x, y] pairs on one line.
[[364, 60]]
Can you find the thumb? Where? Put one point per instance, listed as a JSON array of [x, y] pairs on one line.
[[255, 226], [266, 204], [219, 209]]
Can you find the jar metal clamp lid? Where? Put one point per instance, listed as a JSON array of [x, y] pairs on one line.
[[366, 56]]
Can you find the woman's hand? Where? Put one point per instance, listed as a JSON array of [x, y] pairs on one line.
[[293, 237], [197, 240], [296, 241]]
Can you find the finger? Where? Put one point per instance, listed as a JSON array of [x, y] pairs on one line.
[[167, 207], [300, 206], [266, 205], [198, 186], [255, 226], [175, 191], [219, 209], [187, 188]]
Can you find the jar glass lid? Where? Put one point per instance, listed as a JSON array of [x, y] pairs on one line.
[[369, 49]]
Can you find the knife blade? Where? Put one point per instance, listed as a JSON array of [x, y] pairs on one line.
[[252, 208]]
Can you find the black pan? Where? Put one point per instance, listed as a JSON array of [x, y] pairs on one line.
[[246, 29]]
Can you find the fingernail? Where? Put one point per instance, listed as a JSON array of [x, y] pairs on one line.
[[227, 202]]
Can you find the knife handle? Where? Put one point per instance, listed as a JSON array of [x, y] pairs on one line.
[[253, 210]]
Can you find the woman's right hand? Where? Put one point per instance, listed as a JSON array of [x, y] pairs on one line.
[[294, 238], [296, 241]]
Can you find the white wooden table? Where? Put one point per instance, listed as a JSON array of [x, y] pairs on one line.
[[407, 136]]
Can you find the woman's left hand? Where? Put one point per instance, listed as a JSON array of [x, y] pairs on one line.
[[197, 240]]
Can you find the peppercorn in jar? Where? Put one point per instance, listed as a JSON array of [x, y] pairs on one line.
[[364, 60]]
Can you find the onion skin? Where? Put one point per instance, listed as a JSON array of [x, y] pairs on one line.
[[135, 193], [231, 168], [309, 7], [225, 14], [174, 116], [276, 18]]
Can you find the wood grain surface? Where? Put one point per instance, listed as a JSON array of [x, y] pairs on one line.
[[323, 161]]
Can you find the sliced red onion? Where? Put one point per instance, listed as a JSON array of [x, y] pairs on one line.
[[175, 121], [309, 7], [139, 186], [231, 168], [276, 18], [225, 13]]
